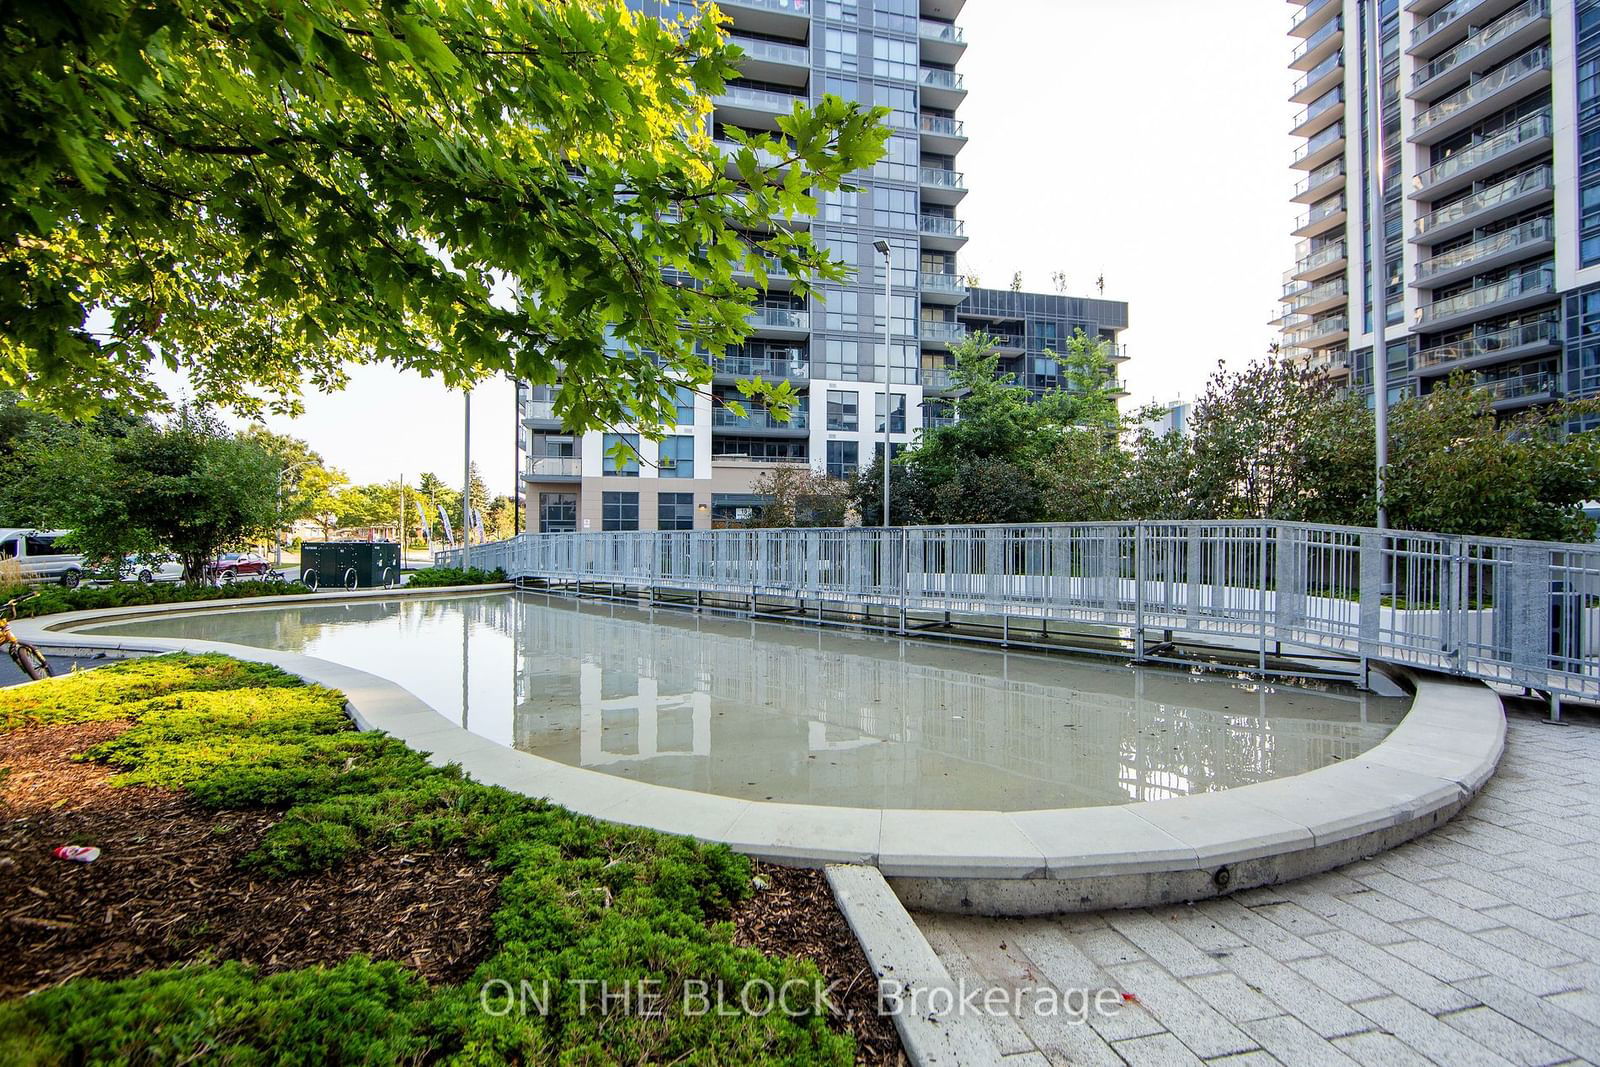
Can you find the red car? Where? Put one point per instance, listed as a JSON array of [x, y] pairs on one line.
[[234, 565]]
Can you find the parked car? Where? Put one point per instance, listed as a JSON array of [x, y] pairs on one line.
[[135, 571], [234, 565], [40, 558]]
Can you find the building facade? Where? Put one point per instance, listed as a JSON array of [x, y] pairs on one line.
[[901, 54], [1490, 196]]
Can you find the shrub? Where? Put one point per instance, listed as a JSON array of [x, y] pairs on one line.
[[580, 900], [430, 577], [52, 599]]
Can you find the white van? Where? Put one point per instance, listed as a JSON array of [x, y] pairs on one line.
[[41, 560]]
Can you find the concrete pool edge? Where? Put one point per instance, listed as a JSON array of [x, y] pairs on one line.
[[989, 862]]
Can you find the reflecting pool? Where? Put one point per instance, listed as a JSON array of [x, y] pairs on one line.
[[770, 711]]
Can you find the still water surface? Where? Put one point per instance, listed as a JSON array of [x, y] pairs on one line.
[[767, 711]]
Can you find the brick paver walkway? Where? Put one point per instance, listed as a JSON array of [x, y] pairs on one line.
[[1477, 944]]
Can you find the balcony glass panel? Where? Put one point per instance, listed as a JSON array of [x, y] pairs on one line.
[[1528, 233], [929, 30], [1317, 40], [759, 418], [1322, 140], [1542, 280], [790, 7], [780, 318], [767, 99], [1306, 12], [943, 179], [1539, 384], [940, 226], [1325, 173], [762, 367], [1321, 257], [555, 467], [933, 330], [773, 51], [1326, 102], [1496, 31], [1516, 70], [1533, 181], [942, 125], [1442, 18], [944, 79], [943, 283], [1527, 335], [1534, 127]]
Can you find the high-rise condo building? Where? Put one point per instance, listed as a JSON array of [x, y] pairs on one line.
[[903, 55], [1491, 195]]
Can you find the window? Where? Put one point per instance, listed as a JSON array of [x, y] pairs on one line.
[[839, 310], [844, 247], [839, 205], [8, 548], [41, 546], [897, 420], [842, 87], [684, 402], [677, 457], [894, 59], [901, 102], [628, 465], [619, 511], [841, 10], [899, 162], [840, 50], [897, 16], [558, 512], [844, 459], [906, 314], [842, 411], [841, 360], [894, 209], [675, 511]]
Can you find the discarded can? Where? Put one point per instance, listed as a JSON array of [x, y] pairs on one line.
[[77, 853]]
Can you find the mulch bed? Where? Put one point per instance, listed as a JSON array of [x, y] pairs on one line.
[[167, 890], [795, 915]]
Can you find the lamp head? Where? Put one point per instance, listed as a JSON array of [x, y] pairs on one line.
[[882, 246]]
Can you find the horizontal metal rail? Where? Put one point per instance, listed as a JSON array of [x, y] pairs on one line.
[[1521, 613]]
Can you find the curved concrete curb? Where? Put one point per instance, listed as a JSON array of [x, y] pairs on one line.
[[990, 862]]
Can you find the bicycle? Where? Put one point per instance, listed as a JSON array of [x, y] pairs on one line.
[[28, 659]]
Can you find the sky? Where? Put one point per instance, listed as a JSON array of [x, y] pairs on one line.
[[1145, 140]]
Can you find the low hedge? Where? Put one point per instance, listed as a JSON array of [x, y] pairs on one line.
[[51, 599], [429, 577], [580, 900]]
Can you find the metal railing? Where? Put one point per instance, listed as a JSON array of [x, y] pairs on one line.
[[1523, 66], [1520, 613]]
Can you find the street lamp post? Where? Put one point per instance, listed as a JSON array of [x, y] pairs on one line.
[[1376, 256], [466, 480], [884, 249]]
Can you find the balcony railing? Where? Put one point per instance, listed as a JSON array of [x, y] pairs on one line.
[[1321, 257], [943, 79], [1317, 73], [1496, 31], [779, 318], [555, 467], [945, 127], [1317, 40], [1321, 211], [1522, 67], [934, 330], [933, 282], [759, 418], [1531, 232], [540, 409], [1318, 294], [787, 7], [1319, 329], [1536, 180], [1541, 383], [940, 178], [949, 32], [1533, 282], [1440, 19], [766, 99], [773, 51], [1325, 173], [936, 378], [1544, 332], [1533, 128], [1322, 140], [939, 226], [1307, 12], [1327, 102], [758, 367]]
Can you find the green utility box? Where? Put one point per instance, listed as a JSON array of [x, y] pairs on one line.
[[350, 564]]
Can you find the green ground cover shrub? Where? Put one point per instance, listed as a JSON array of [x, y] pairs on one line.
[[580, 901], [52, 599], [430, 577]]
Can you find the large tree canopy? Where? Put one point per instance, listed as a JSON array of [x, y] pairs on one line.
[[258, 192]]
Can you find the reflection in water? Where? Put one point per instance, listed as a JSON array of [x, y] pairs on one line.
[[771, 711]]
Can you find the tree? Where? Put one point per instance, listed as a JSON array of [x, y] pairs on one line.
[[305, 482], [799, 496], [259, 193], [189, 489], [499, 518]]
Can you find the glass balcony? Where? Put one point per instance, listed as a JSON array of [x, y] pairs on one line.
[[779, 319], [735, 95], [1503, 195], [763, 367], [555, 467], [1319, 294], [939, 226], [1313, 43], [1321, 329], [1533, 232], [1525, 387], [1484, 39], [1322, 257], [940, 178], [944, 79], [1319, 177], [1307, 13], [947, 332], [1319, 143], [1327, 209], [1317, 73], [759, 418], [933, 282], [1544, 333], [1538, 282], [773, 51], [540, 409], [939, 378], [785, 7], [1534, 128], [1440, 19], [1318, 108], [948, 32], [1522, 67], [945, 127]]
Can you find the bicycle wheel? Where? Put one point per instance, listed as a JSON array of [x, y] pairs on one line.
[[30, 661]]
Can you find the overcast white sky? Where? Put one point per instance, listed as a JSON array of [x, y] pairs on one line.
[[1143, 139]]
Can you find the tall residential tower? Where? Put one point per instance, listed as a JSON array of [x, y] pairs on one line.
[[1491, 195], [901, 54]]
